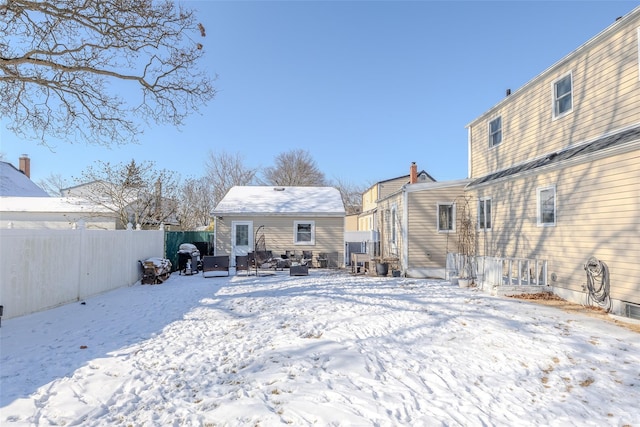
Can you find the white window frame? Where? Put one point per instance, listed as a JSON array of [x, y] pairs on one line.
[[295, 233], [554, 106], [539, 210], [392, 223], [453, 218], [498, 132], [482, 214]]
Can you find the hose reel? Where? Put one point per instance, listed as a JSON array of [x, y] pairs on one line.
[[598, 283]]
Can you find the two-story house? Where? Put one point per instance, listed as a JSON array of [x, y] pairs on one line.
[[555, 171]]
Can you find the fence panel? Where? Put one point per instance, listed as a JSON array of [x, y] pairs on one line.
[[41, 269], [173, 240]]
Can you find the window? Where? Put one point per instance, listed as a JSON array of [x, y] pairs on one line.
[[304, 233], [446, 217], [562, 96], [242, 234], [394, 231], [484, 214], [393, 244], [495, 132], [547, 206]]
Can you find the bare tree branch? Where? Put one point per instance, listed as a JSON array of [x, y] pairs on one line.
[[351, 195], [61, 60], [136, 193], [225, 170], [294, 168]]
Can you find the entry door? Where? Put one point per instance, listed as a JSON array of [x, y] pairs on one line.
[[241, 239]]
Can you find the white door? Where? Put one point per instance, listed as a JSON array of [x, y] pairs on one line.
[[241, 239]]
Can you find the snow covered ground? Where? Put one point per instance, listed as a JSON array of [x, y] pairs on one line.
[[323, 349]]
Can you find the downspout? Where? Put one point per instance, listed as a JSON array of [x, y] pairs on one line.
[[404, 261], [215, 234], [469, 152]]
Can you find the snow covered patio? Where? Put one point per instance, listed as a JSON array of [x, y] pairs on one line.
[[324, 349]]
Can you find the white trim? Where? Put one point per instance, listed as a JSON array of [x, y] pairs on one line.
[[313, 232], [469, 131], [404, 259], [539, 222], [554, 113]]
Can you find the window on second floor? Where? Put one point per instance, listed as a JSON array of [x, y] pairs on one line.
[[484, 214], [563, 96], [446, 217], [546, 206], [495, 132]]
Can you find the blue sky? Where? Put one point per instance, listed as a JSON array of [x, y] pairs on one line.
[[367, 87]]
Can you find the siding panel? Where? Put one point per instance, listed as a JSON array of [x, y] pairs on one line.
[[597, 215]]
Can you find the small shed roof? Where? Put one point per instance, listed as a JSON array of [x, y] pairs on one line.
[[274, 200]]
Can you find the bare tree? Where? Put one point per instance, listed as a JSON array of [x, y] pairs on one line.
[[351, 195], [225, 170], [64, 64], [195, 203], [54, 184], [294, 168], [135, 192]]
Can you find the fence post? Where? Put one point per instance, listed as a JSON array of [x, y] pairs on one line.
[[80, 235]]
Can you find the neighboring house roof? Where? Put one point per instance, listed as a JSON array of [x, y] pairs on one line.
[[261, 200], [50, 204], [589, 148], [421, 177], [14, 183]]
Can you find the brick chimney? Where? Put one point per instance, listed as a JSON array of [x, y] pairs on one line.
[[25, 165], [413, 173]]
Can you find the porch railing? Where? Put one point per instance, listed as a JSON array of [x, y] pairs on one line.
[[500, 271]]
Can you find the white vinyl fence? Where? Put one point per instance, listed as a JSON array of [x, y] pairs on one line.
[[41, 269]]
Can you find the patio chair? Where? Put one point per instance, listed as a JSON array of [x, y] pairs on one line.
[[215, 263]]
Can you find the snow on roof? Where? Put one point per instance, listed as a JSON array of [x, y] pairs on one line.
[[49, 204], [281, 200], [15, 183]]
